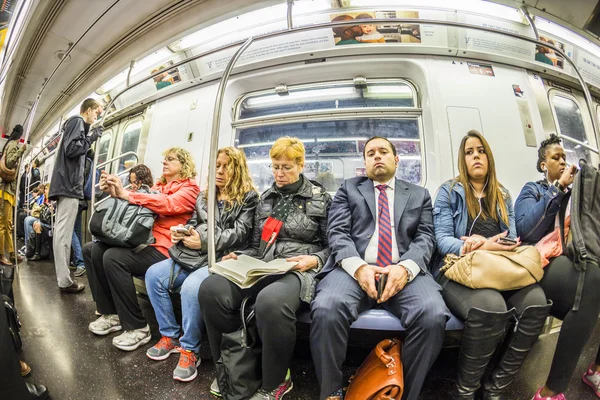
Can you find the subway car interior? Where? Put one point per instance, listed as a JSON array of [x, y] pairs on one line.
[[201, 75]]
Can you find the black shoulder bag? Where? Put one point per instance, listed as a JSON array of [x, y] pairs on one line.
[[239, 367]]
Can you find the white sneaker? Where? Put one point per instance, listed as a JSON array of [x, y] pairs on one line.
[[131, 340], [105, 325]]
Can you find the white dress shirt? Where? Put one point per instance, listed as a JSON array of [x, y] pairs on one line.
[[351, 264]]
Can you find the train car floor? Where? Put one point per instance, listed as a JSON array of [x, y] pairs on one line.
[[75, 364]]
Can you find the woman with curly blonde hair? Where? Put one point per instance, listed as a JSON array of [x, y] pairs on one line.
[[111, 269], [236, 201]]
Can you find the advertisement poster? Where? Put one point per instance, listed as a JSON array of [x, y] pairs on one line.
[[481, 69], [360, 31], [547, 56], [168, 77], [589, 66], [7, 7]]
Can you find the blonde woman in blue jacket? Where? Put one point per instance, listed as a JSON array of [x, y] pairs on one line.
[[473, 211]]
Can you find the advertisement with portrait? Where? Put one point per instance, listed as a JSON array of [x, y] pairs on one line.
[[168, 77], [360, 31], [548, 56]]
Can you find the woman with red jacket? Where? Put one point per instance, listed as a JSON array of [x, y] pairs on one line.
[[110, 269]]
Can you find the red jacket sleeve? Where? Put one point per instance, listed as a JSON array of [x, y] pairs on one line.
[[179, 202]]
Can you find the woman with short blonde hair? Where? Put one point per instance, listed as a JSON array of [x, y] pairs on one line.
[[290, 223]]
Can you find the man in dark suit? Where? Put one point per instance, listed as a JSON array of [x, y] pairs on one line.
[[378, 225]]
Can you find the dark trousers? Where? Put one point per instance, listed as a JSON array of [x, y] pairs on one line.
[[12, 385], [340, 299], [560, 283], [110, 271], [460, 299], [277, 300]]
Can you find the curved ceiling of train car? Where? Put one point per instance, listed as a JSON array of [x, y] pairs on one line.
[[133, 28]]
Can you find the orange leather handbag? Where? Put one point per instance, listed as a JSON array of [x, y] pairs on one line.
[[380, 377]]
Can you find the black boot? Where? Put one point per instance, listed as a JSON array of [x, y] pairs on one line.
[[519, 343], [38, 247], [483, 331]]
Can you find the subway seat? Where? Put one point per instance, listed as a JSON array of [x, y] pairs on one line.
[[381, 320], [373, 320]]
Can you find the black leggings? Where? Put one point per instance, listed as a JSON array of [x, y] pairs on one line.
[[110, 274], [460, 299], [560, 283], [277, 300]]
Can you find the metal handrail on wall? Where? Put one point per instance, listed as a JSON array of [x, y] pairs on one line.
[[245, 44]]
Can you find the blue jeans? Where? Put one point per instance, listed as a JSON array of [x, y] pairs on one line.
[[29, 220], [188, 284], [76, 242]]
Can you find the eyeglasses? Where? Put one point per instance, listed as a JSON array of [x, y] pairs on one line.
[[170, 158], [284, 168]]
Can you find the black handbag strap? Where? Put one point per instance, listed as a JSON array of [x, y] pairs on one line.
[[245, 320]]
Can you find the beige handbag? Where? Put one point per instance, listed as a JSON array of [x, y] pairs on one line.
[[500, 270]]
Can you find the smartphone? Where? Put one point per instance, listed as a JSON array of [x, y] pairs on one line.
[[507, 241], [182, 231], [380, 281]]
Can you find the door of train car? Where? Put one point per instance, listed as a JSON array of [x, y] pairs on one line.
[[564, 111], [123, 142]]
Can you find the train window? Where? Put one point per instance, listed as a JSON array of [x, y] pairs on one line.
[[329, 97], [131, 139], [570, 124], [334, 148], [103, 147], [334, 121]]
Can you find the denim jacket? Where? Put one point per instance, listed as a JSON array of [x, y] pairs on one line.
[[450, 219], [536, 209]]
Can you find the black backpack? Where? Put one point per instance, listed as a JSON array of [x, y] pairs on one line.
[[584, 248]]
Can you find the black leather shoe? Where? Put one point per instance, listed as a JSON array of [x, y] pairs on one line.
[[76, 287], [39, 391]]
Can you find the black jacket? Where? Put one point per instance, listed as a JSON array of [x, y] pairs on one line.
[[67, 175], [304, 231], [232, 229]]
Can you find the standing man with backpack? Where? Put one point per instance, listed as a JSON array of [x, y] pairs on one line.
[[67, 186]]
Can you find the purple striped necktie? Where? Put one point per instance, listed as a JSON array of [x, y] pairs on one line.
[[384, 247]]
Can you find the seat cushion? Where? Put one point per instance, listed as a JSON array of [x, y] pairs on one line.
[[381, 320]]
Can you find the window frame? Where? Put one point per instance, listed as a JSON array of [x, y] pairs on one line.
[[133, 120], [412, 113], [552, 93]]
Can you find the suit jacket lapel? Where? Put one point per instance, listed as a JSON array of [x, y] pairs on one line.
[[400, 199], [368, 191]]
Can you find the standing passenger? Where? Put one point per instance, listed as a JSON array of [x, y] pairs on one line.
[[66, 187], [236, 202], [536, 211], [472, 212], [12, 154], [392, 235]]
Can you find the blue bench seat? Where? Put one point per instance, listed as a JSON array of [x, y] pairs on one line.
[[381, 320]]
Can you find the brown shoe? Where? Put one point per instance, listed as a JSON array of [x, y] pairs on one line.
[[25, 369], [76, 287]]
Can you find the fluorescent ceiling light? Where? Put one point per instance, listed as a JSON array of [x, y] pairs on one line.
[[563, 33], [306, 95], [140, 66], [472, 6], [241, 23]]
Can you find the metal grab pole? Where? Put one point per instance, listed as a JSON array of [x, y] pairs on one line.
[[530, 21], [214, 146], [290, 22], [19, 174]]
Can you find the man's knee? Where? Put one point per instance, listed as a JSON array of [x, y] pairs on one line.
[[329, 308], [432, 314]]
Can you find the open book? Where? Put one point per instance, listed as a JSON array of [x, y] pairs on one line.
[[246, 270]]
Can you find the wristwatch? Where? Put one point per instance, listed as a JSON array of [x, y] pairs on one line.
[[557, 184], [409, 273]]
